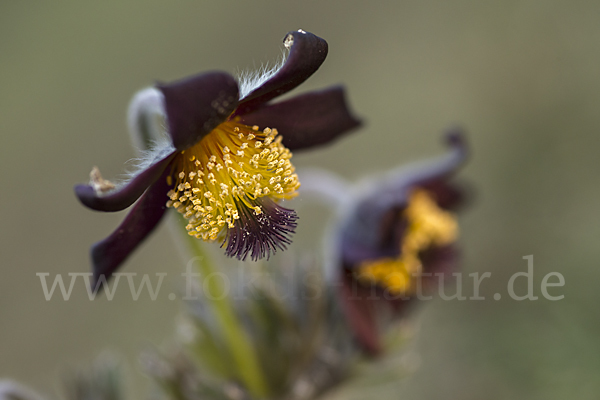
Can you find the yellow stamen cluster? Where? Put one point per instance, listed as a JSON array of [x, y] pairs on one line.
[[218, 180], [427, 226]]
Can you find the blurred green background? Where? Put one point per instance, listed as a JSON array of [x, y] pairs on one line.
[[522, 76]]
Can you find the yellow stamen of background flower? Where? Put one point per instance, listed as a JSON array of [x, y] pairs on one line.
[[219, 179], [427, 226]]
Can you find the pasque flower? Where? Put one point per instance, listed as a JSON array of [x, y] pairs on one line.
[[394, 237], [225, 162]]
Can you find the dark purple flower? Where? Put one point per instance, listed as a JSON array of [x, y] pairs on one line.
[[394, 238], [225, 162]]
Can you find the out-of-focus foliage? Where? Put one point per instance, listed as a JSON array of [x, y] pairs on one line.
[[303, 345]]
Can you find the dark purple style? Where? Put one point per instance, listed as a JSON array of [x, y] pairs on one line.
[[194, 107], [374, 228], [271, 231]]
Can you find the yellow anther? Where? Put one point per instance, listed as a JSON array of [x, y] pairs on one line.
[[211, 200], [264, 153], [427, 226]]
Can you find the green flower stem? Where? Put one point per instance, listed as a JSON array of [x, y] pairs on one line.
[[239, 343]]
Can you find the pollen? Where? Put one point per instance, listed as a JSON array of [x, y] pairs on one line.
[[428, 226], [221, 178], [100, 184]]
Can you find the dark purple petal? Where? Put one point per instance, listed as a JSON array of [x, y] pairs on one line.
[[364, 239], [448, 196], [196, 105], [109, 254], [307, 120], [307, 53], [360, 313], [262, 234], [125, 196], [439, 260]]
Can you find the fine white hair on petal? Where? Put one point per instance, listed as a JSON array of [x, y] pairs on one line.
[[250, 80], [159, 149], [146, 118]]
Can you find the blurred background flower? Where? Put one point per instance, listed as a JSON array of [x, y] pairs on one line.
[[395, 238], [521, 77]]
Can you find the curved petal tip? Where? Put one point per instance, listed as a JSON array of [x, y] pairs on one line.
[[92, 195], [307, 53], [455, 137]]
